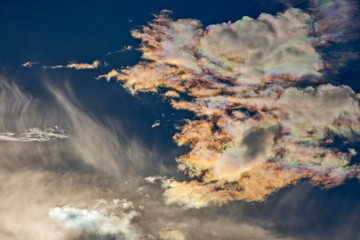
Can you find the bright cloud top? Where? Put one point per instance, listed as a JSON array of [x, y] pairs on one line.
[[254, 131], [104, 221]]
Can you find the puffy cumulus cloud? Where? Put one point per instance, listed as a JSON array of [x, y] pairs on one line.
[[255, 131], [27, 196], [252, 48], [249, 49], [104, 221]]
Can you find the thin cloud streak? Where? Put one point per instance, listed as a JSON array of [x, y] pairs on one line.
[[77, 66]]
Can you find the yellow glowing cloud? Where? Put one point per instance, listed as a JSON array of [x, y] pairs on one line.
[[80, 66], [255, 132]]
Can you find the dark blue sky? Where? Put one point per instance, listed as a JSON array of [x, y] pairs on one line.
[[58, 31]]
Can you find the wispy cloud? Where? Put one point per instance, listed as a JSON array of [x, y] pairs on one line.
[[108, 76], [76, 170], [53, 67], [255, 131], [101, 222], [124, 49], [76, 66], [80, 66], [29, 64], [35, 135], [156, 124]]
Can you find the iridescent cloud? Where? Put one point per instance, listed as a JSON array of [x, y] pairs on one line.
[[255, 130], [77, 66]]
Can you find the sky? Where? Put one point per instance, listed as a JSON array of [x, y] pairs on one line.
[[179, 120]]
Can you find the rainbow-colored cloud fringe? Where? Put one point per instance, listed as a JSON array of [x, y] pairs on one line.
[[255, 130]]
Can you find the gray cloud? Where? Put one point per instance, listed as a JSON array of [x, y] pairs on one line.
[[64, 178]]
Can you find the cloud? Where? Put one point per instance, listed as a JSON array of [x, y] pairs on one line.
[[43, 169], [35, 135], [109, 75], [271, 45], [336, 20], [77, 66], [225, 228], [90, 140], [124, 49], [48, 189], [153, 179], [29, 64], [53, 67], [156, 124], [255, 131], [100, 222], [28, 194], [80, 66], [335, 28], [171, 234]]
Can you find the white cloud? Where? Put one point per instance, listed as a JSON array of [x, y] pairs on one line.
[[124, 49], [76, 66], [29, 64], [35, 135], [106, 220]]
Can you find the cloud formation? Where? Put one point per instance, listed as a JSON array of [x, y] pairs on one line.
[[35, 135], [80, 66], [336, 20], [124, 49], [29, 64], [43, 167], [255, 130], [77, 66], [48, 189], [103, 221]]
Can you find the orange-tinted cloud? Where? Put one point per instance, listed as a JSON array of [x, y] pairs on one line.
[[80, 66], [77, 66], [255, 131]]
